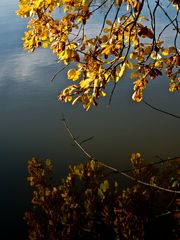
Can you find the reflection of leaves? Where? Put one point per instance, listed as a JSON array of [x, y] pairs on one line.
[[175, 183], [85, 199], [104, 186], [67, 205]]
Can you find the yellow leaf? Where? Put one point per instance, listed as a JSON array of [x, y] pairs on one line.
[[106, 30], [66, 10], [45, 44], [155, 55], [107, 50], [50, 222], [54, 189], [74, 74], [135, 156], [143, 18], [165, 52], [83, 2], [134, 74], [102, 93], [68, 99], [47, 192], [51, 39], [108, 22], [159, 63], [129, 64], [118, 2], [117, 78], [122, 70], [44, 37], [133, 55], [104, 186], [137, 96], [75, 100]]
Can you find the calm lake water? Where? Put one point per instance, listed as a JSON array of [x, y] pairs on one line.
[[30, 121]]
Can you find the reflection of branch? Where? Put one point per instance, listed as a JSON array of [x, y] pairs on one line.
[[153, 164], [90, 157], [86, 140], [75, 140], [167, 213], [159, 110]]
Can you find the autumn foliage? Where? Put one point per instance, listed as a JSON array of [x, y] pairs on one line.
[[92, 204], [126, 39]]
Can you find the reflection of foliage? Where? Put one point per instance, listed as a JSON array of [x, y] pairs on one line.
[[126, 40], [91, 204]]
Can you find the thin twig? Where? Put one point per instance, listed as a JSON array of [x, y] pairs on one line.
[[160, 110], [55, 75], [112, 93], [75, 140], [86, 140]]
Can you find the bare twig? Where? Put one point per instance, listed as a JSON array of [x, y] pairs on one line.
[[55, 75], [86, 140], [160, 110], [112, 93], [75, 140]]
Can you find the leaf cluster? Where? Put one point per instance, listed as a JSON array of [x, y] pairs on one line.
[[128, 40]]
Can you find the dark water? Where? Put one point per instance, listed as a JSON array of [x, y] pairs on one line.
[[30, 121]]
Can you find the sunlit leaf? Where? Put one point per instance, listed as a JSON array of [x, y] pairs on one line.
[[74, 74]]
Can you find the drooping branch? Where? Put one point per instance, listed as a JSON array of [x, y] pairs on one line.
[[121, 40]]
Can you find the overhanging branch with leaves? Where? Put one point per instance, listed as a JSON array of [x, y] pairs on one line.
[[128, 39]]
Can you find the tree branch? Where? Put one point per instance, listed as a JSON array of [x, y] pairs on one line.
[[55, 75]]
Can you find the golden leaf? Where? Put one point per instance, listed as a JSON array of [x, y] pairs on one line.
[[129, 64], [107, 50], [45, 44], [108, 22], [76, 99], [73, 74], [165, 52], [122, 70], [135, 74], [137, 96]]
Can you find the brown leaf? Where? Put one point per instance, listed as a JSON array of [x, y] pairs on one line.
[[146, 32]]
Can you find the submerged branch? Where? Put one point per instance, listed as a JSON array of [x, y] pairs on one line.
[[115, 170]]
